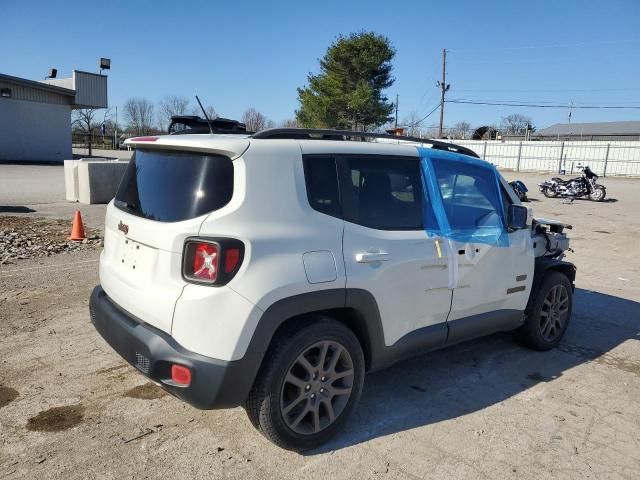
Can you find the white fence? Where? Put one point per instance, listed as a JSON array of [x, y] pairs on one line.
[[604, 158]]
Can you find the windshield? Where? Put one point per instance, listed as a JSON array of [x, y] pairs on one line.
[[168, 186]]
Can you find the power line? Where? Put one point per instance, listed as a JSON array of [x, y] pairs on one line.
[[549, 90], [428, 114], [551, 102], [534, 105], [537, 47]]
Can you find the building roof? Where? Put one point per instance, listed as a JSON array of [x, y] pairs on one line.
[[38, 85], [629, 128]]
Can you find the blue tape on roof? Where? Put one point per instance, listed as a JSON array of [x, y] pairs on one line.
[[463, 200]]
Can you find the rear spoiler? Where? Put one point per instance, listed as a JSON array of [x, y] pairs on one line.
[[231, 146]]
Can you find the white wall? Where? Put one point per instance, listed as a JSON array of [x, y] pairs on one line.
[[616, 157], [34, 131]]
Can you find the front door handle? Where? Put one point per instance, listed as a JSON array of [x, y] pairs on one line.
[[369, 257]]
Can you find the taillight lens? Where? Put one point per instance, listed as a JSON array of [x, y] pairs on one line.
[[231, 259], [211, 261], [205, 262]]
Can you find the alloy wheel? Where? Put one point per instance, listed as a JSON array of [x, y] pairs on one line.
[[554, 314], [317, 387]]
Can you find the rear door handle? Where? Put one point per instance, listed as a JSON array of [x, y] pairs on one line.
[[369, 257]]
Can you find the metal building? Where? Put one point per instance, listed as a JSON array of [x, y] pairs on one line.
[[35, 117], [626, 130]]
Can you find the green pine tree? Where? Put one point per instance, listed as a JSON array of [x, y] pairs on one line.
[[348, 92]]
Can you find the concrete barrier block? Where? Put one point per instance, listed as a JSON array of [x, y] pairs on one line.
[[98, 180], [71, 180], [71, 177]]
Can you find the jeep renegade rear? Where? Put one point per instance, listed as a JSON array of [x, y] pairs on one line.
[[272, 271]]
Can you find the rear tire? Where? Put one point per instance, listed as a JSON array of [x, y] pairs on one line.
[[598, 194], [548, 313], [547, 192], [308, 386]]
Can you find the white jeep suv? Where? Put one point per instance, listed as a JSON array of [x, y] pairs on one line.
[[272, 271]]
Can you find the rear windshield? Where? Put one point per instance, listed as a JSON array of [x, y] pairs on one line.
[[172, 186]]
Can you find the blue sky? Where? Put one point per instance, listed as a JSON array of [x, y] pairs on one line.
[[237, 55]]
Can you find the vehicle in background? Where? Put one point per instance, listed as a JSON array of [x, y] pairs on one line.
[[181, 124], [584, 186], [521, 190]]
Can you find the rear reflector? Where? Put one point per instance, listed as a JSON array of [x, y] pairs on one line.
[[180, 375]]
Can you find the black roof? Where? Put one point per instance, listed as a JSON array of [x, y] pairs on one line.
[[628, 128]]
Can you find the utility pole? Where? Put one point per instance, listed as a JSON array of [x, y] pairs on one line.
[[397, 110], [444, 87]]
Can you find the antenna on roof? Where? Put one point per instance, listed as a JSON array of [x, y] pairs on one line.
[[205, 115]]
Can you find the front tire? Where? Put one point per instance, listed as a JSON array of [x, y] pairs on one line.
[[548, 313], [308, 386], [598, 194]]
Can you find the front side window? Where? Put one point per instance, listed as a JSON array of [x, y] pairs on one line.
[[382, 192], [469, 195]]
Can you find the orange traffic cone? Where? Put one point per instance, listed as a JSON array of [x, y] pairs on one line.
[[77, 229]]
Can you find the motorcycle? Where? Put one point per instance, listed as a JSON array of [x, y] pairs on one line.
[[579, 187], [521, 190]]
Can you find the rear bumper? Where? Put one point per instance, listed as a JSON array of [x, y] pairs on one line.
[[214, 383]]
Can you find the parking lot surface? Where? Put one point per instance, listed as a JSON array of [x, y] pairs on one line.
[[71, 408]]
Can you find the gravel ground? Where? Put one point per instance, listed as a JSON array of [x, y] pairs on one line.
[[70, 408], [28, 237]]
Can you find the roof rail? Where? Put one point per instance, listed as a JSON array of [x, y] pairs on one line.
[[329, 134]]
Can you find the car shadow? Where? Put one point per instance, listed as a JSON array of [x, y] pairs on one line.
[[466, 378], [15, 209]]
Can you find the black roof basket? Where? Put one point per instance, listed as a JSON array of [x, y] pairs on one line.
[[329, 134], [188, 124]]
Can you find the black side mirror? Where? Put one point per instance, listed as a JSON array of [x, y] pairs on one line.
[[517, 217]]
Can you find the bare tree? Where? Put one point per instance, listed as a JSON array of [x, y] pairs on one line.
[[432, 131], [85, 121], [461, 130], [211, 111], [254, 120], [169, 106], [139, 115], [289, 123], [516, 124], [412, 124]]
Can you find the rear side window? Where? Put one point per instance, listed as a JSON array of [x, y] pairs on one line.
[[322, 185], [380, 192], [169, 186]]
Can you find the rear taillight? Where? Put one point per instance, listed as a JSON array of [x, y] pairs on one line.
[[211, 261], [205, 262]]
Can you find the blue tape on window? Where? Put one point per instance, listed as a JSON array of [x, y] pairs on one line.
[[462, 198]]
